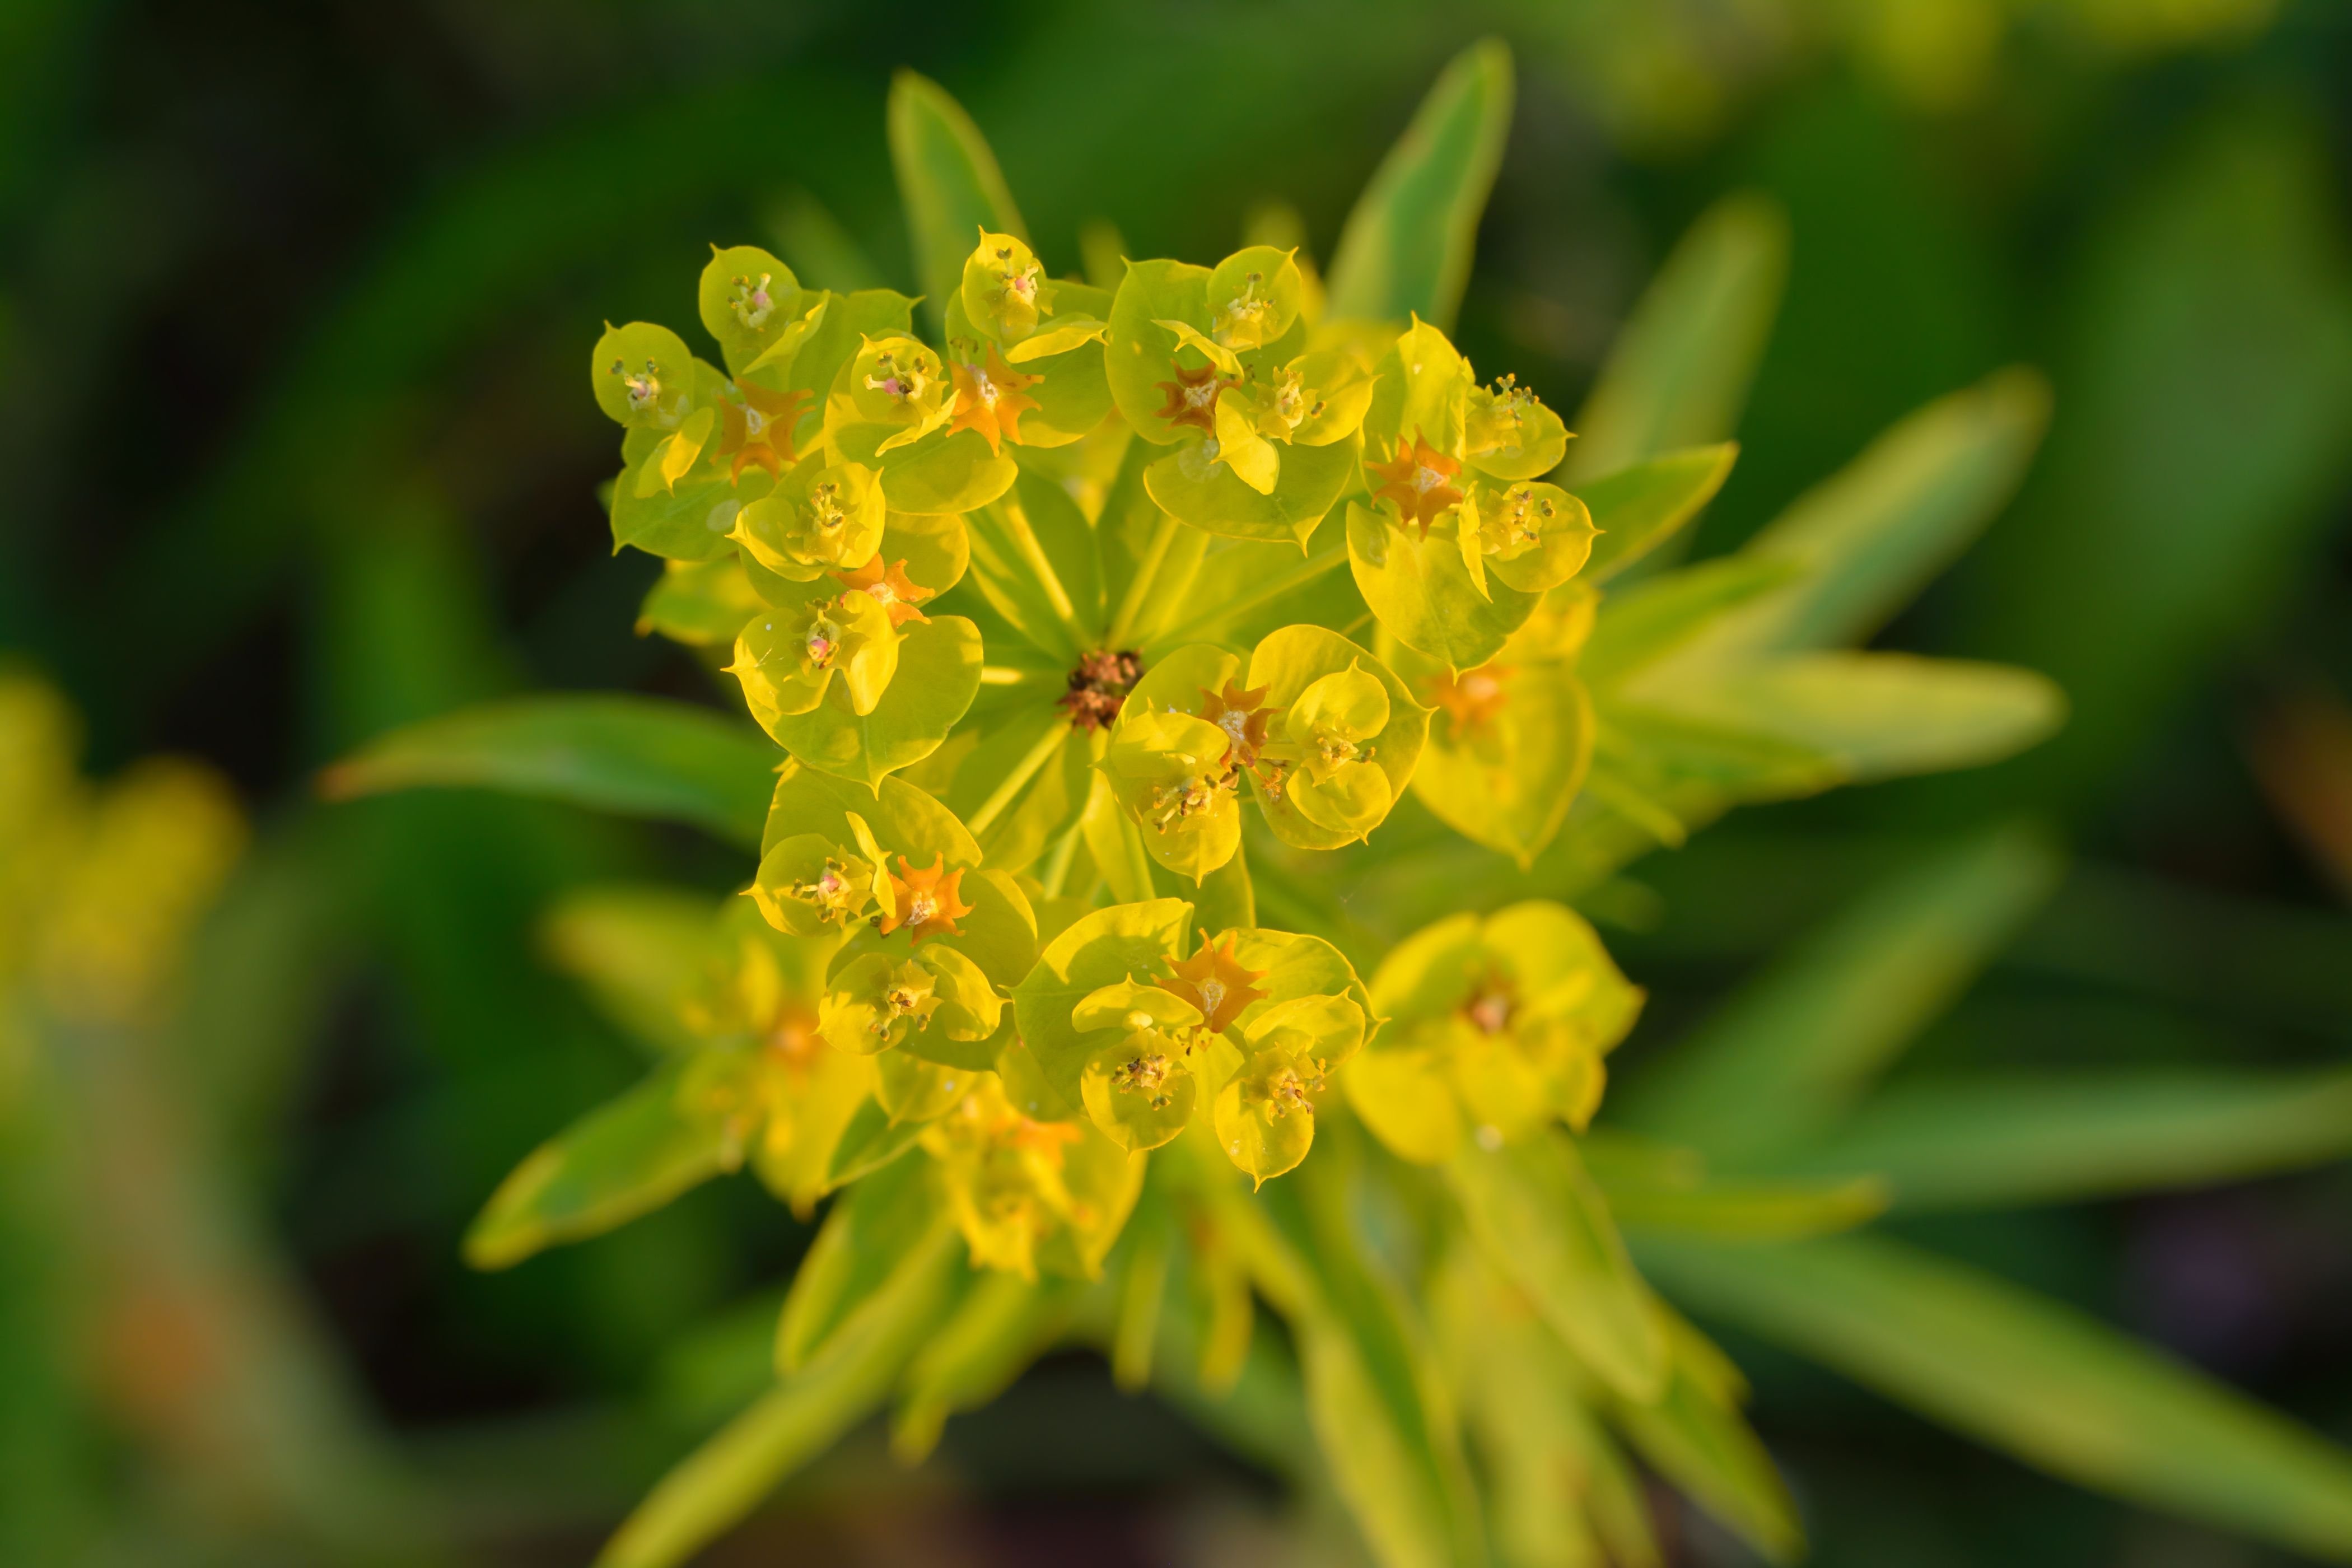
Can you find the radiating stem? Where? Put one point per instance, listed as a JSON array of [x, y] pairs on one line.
[[1048, 746], [1011, 675], [1289, 582], [1130, 606], [1032, 556], [1058, 862]]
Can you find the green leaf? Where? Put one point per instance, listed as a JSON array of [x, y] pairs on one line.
[[638, 756], [1986, 1141], [1543, 1223], [640, 951], [864, 1242], [1406, 248], [1795, 1049], [1696, 1436], [1871, 536], [1375, 1394], [1651, 619], [1637, 509], [2037, 1380], [624, 1159], [1679, 374], [1750, 1210], [719, 1483], [823, 253], [1875, 715], [1558, 1486], [1003, 1323], [950, 183], [871, 1141], [938, 676]]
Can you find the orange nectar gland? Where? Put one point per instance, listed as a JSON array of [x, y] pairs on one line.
[[1192, 397], [991, 398], [1420, 479], [759, 429], [930, 902], [891, 588], [1473, 700], [1214, 981], [1243, 716]]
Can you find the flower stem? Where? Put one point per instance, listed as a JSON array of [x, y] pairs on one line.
[[1131, 604], [1273, 591], [1048, 746]]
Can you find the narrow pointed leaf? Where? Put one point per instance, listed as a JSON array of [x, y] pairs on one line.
[[1544, 1224], [950, 185], [2017, 1139], [2037, 1380], [1679, 372], [1637, 509], [638, 756], [1871, 535], [640, 951], [1876, 715], [714, 1486], [1406, 248], [620, 1161], [1791, 1051]]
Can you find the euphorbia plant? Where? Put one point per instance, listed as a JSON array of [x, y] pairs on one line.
[[1191, 700]]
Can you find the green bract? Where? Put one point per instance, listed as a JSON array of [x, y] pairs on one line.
[[1496, 1028]]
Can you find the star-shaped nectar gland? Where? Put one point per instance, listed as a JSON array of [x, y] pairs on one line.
[[759, 428], [1192, 398], [991, 398], [1420, 479], [1214, 981], [1242, 715], [889, 587], [929, 900], [1473, 700]]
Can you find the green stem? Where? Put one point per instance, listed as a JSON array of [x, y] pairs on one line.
[[1273, 591], [1032, 556], [1637, 808], [1011, 675], [1048, 746], [1058, 862], [1130, 606]]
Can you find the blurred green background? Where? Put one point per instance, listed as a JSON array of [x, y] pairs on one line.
[[294, 307]]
